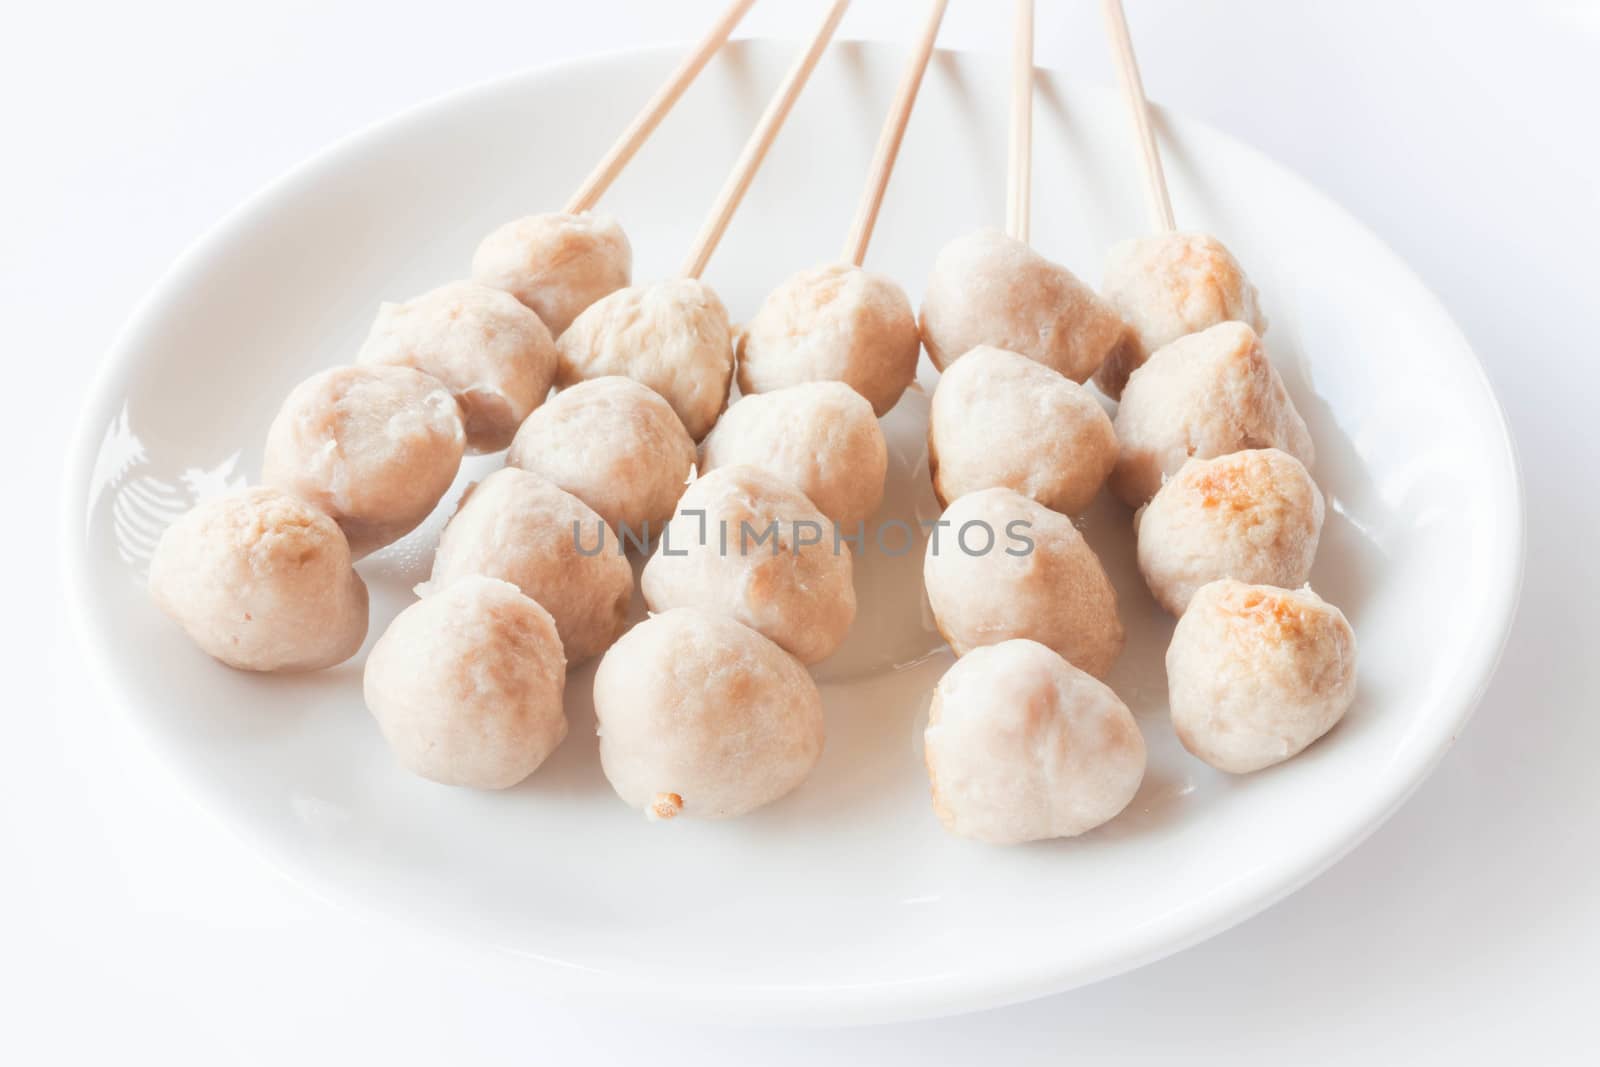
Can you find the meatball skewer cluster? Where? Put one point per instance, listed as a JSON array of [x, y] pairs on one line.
[[706, 709], [358, 456], [1208, 446], [829, 351], [641, 371], [1259, 666], [1023, 740]]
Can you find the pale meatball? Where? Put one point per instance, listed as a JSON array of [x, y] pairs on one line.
[[821, 437], [1001, 566], [991, 289], [700, 715], [261, 581], [1255, 674], [834, 323], [1254, 515], [466, 685], [494, 355], [1023, 746], [1000, 419], [556, 264], [375, 447], [616, 446], [751, 546], [522, 529], [673, 337], [1206, 395], [1166, 286]]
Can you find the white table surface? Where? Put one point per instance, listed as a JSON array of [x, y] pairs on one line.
[[1466, 930]]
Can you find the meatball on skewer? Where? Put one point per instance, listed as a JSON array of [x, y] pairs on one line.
[[991, 288], [1023, 746], [1255, 674], [838, 322], [674, 336], [560, 263], [1255, 516], [1205, 395], [373, 446], [701, 716], [1002, 419], [820, 436], [466, 685], [262, 581], [1170, 283]]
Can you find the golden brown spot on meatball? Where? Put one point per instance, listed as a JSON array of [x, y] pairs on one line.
[[1279, 616], [666, 805], [1226, 485]]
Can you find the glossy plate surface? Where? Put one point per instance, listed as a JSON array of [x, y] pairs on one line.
[[845, 901]]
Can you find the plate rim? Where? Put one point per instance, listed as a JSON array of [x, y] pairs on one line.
[[961, 990]]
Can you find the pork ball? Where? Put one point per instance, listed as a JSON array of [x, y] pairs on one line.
[[1023, 746], [673, 337], [375, 447], [493, 354], [991, 289], [751, 546], [1254, 516], [1000, 566], [1166, 286], [1206, 395], [466, 685], [261, 581], [833, 323], [1000, 419], [557, 264], [700, 715], [821, 437], [1255, 673], [522, 529], [616, 446]]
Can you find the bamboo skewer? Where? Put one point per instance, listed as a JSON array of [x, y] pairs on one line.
[[644, 124], [1160, 203], [1019, 171], [894, 131], [755, 149]]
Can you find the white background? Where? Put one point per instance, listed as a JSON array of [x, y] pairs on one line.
[[1466, 930]]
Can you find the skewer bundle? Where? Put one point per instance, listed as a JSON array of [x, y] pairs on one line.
[[705, 709]]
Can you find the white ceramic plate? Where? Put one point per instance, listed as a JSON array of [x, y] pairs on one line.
[[846, 900]]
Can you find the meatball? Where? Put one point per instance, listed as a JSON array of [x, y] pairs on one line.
[[493, 354], [700, 715], [261, 581], [375, 447], [991, 289], [1000, 419], [1000, 566], [616, 446], [821, 437], [750, 545], [1254, 516], [1255, 674], [1166, 286], [1023, 746], [557, 264], [673, 337], [466, 685], [833, 323], [1206, 395], [520, 528]]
